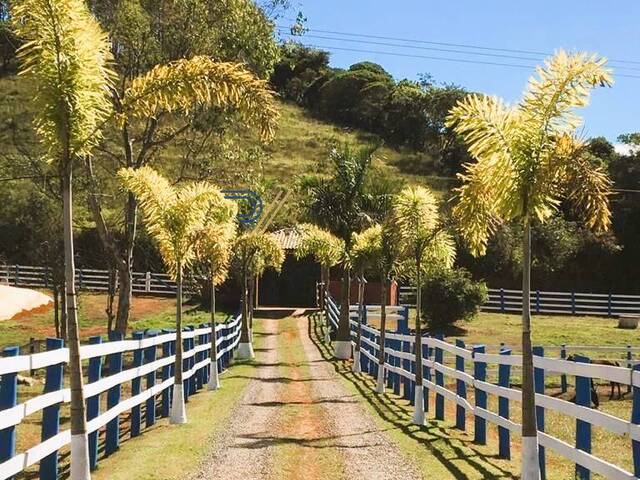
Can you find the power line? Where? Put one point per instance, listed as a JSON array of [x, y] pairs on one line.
[[436, 49], [447, 44], [428, 57]]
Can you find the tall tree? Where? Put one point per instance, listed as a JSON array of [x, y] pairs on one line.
[[254, 252], [175, 89], [427, 246], [66, 55], [213, 253], [342, 205], [174, 217], [528, 160]]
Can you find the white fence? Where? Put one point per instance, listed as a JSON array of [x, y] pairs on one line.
[[570, 303], [469, 371], [91, 280], [140, 357]]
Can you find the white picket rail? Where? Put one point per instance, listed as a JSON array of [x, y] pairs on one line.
[[90, 279], [228, 334], [551, 366]]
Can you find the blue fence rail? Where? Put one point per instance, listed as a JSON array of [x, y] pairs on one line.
[[145, 362], [470, 376], [567, 303]]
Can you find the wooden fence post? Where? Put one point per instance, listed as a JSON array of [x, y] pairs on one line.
[[583, 429], [136, 387], [609, 305], [502, 309], [192, 362], [635, 419], [537, 301], [112, 439], [150, 407], [539, 380], [573, 303], [16, 279], [504, 435], [8, 399], [147, 282], [480, 373], [93, 403], [461, 389], [629, 363], [439, 359], [563, 377]]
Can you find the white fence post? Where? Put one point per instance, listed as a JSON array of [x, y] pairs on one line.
[[147, 283]]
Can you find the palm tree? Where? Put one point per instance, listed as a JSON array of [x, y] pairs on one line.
[[427, 246], [213, 252], [176, 89], [174, 216], [254, 252], [343, 205], [326, 249], [66, 55], [528, 160]]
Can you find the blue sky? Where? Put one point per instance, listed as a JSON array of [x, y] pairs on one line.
[[609, 28]]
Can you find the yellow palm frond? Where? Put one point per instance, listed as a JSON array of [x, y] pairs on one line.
[[366, 247], [213, 249], [67, 55], [257, 251], [326, 248], [174, 216], [184, 85]]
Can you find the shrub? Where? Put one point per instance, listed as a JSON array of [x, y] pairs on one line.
[[451, 295]]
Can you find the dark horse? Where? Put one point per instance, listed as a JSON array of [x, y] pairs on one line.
[[594, 392]]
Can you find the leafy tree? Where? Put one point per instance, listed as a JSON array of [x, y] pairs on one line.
[[213, 254], [66, 56], [174, 217], [427, 248], [298, 67], [527, 161], [449, 296], [253, 252]]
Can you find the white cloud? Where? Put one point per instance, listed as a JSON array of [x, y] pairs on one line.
[[624, 149]]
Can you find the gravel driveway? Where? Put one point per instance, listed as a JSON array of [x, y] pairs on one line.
[[297, 419]]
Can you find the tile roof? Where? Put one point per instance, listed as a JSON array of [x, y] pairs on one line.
[[288, 238]]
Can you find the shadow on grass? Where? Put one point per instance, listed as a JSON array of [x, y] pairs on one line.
[[398, 414]]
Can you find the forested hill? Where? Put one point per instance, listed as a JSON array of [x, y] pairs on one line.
[[320, 107]]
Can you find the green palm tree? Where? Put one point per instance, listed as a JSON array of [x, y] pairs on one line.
[[326, 249], [253, 252], [174, 216], [213, 253], [66, 55], [343, 205], [528, 161], [427, 247]]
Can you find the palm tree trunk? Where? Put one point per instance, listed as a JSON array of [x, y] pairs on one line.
[[79, 438], [178, 410], [214, 380], [342, 349], [418, 411], [245, 348], [530, 468], [361, 307], [252, 290], [383, 333]]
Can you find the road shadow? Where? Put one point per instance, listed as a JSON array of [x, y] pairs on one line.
[[398, 412]]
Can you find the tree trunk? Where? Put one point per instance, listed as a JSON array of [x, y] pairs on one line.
[[244, 333], [323, 280], [361, 307], [214, 380], [56, 312], [418, 412], [530, 468], [125, 292], [383, 333], [342, 349], [178, 412], [63, 315], [252, 289], [111, 293], [79, 439]]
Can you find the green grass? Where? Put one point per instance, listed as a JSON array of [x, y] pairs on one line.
[[491, 329], [168, 452]]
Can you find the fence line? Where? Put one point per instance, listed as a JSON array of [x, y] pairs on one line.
[[90, 279], [154, 399], [399, 366], [570, 303]]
